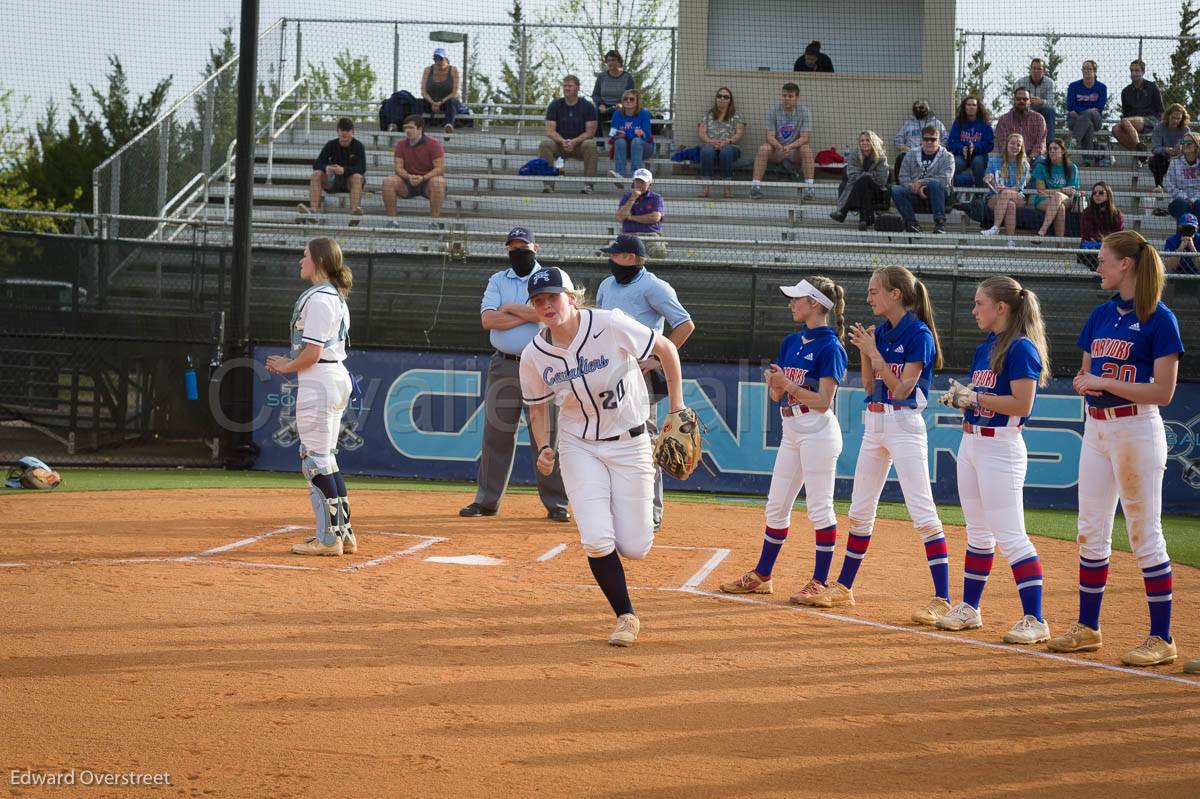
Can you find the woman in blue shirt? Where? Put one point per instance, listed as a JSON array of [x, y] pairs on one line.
[[1086, 99], [629, 134], [971, 141], [1057, 182]]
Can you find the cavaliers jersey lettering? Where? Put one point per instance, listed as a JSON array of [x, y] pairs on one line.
[[1125, 348], [808, 355], [910, 341], [595, 380], [1021, 362]]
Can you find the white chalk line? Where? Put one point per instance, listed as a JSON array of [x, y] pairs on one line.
[[550, 553], [417, 547], [245, 542]]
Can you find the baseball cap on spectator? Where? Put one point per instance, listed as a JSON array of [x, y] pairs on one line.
[[1189, 220], [806, 289], [439, 53], [551, 280], [644, 174], [626, 243], [520, 234]]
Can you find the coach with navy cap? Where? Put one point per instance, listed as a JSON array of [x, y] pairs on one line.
[[652, 301], [511, 324]]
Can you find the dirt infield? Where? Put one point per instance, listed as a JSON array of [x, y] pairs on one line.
[[386, 674]]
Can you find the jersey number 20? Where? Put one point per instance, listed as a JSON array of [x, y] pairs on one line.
[[611, 398], [1124, 372]]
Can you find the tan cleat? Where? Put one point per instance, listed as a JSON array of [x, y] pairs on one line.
[[313, 546], [961, 617], [805, 595], [930, 614], [1154, 652], [1080, 638], [834, 595], [1028, 631], [1192, 667], [749, 583], [349, 542], [626, 631]]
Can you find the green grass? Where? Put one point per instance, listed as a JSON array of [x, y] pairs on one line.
[[1182, 532]]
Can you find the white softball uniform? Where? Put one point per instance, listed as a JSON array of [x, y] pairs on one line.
[[323, 390], [603, 448]]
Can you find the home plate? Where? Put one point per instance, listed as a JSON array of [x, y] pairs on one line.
[[466, 560]]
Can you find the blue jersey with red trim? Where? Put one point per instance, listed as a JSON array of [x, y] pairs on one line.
[[910, 341], [1125, 348], [810, 354], [1020, 362]]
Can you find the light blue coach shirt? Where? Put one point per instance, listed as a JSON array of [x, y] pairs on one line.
[[506, 288], [647, 298]]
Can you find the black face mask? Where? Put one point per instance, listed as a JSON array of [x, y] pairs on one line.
[[623, 274], [522, 261]]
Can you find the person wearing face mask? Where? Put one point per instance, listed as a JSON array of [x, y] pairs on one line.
[[652, 301], [511, 324], [909, 135]]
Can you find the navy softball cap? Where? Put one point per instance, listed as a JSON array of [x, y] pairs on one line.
[[520, 234], [626, 243], [551, 280]]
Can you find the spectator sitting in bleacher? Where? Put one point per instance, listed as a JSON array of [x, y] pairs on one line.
[[1020, 119], [611, 85], [570, 131], [1165, 141], [1141, 108], [1185, 240], [341, 167], [1100, 218], [641, 212], [971, 141], [1086, 99], [1056, 180], [1183, 178], [420, 163], [629, 135], [719, 135], [926, 173], [910, 133], [789, 132], [813, 60], [1041, 93], [440, 88], [1008, 172], [864, 182]]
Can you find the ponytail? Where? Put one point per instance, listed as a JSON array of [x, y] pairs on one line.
[[1025, 321], [923, 308], [1148, 272], [915, 297], [327, 254], [838, 296]]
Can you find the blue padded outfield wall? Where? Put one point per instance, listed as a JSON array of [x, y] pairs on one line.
[[420, 416]]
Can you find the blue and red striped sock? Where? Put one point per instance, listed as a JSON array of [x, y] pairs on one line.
[[1159, 584], [939, 563], [1028, 574], [772, 542], [976, 567], [1093, 576], [826, 540], [856, 550]]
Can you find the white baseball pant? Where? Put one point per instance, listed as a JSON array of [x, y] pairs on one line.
[[322, 395], [610, 485], [808, 453], [991, 481], [899, 437], [1123, 458]]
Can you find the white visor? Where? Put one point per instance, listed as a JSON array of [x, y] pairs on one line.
[[806, 289]]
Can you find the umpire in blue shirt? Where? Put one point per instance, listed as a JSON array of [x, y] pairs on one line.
[[652, 301], [511, 323]]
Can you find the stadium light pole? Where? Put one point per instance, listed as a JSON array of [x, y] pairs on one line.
[[239, 408], [454, 37]]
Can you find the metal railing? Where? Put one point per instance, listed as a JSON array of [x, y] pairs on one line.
[[274, 133]]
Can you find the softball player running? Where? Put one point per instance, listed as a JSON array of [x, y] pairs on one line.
[[586, 360], [1131, 350], [1005, 375], [320, 334], [898, 359], [811, 365]]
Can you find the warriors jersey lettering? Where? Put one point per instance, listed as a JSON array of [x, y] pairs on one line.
[[1125, 348], [321, 317], [808, 355], [908, 342], [1020, 362], [595, 380]]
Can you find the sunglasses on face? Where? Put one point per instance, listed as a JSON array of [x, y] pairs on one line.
[[929, 138], [724, 96]]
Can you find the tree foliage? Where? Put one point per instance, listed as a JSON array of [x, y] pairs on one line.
[[352, 80], [975, 77], [540, 84], [1182, 84], [15, 192]]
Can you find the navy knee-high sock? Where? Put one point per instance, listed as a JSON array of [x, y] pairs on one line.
[[610, 576], [327, 485], [341, 483]]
